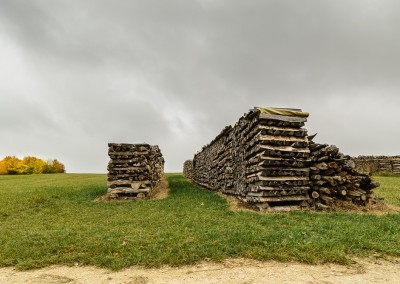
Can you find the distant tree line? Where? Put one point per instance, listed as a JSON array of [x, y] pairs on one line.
[[11, 165]]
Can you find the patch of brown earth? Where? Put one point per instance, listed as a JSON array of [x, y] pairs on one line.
[[161, 191], [379, 208], [232, 271], [236, 204]]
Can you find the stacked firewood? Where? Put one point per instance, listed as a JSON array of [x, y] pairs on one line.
[[134, 169], [262, 159], [267, 159], [276, 159], [396, 166], [211, 166], [378, 164], [334, 179], [188, 169]]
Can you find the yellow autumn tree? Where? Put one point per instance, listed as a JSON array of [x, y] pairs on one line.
[[11, 165], [33, 165], [3, 168], [57, 166]]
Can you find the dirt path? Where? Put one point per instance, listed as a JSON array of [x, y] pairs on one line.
[[231, 271]]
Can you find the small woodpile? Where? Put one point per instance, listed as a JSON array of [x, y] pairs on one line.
[[378, 164], [188, 169], [262, 159], [134, 169], [334, 179]]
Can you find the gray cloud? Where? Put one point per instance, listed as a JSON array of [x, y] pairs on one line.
[[78, 74]]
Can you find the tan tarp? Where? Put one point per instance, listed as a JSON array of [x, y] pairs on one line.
[[282, 111]]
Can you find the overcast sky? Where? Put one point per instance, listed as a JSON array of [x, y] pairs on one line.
[[75, 75]]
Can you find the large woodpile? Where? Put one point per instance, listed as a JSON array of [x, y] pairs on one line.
[[188, 169], [378, 164], [262, 159], [334, 179], [267, 159], [134, 169]]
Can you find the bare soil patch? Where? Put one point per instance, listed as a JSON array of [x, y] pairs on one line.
[[379, 208], [161, 191], [230, 271]]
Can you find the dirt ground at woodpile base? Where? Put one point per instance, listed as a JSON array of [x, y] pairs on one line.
[[161, 191], [381, 208], [243, 271]]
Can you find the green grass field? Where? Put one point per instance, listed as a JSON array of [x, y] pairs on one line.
[[53, 219], [389, 189]]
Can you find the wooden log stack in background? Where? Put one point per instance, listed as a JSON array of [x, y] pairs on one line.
[[134, 169], [378, 164], [188, 169]]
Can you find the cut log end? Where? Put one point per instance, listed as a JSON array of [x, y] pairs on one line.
[[315, 194]]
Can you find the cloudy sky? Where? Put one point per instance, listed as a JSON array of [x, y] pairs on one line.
[[75, 75]]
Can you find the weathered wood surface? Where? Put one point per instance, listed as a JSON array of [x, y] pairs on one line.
[[378, 164], [261, 159], [134, 169], [334, 179], [268, 160], [188, 169]]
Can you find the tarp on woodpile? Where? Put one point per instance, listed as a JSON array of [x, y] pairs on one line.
[[283, 111]]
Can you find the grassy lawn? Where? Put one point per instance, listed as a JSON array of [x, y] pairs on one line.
[[390, 189], [52, 219]]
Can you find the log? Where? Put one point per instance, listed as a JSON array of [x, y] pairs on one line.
[[280, 198], [315, 194], [321, 166], [315, 177], [124, 190], [327, 199], [283, 118], [320, 206], [325, 190]]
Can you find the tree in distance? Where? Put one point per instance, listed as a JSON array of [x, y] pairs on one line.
[[11, 165]]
